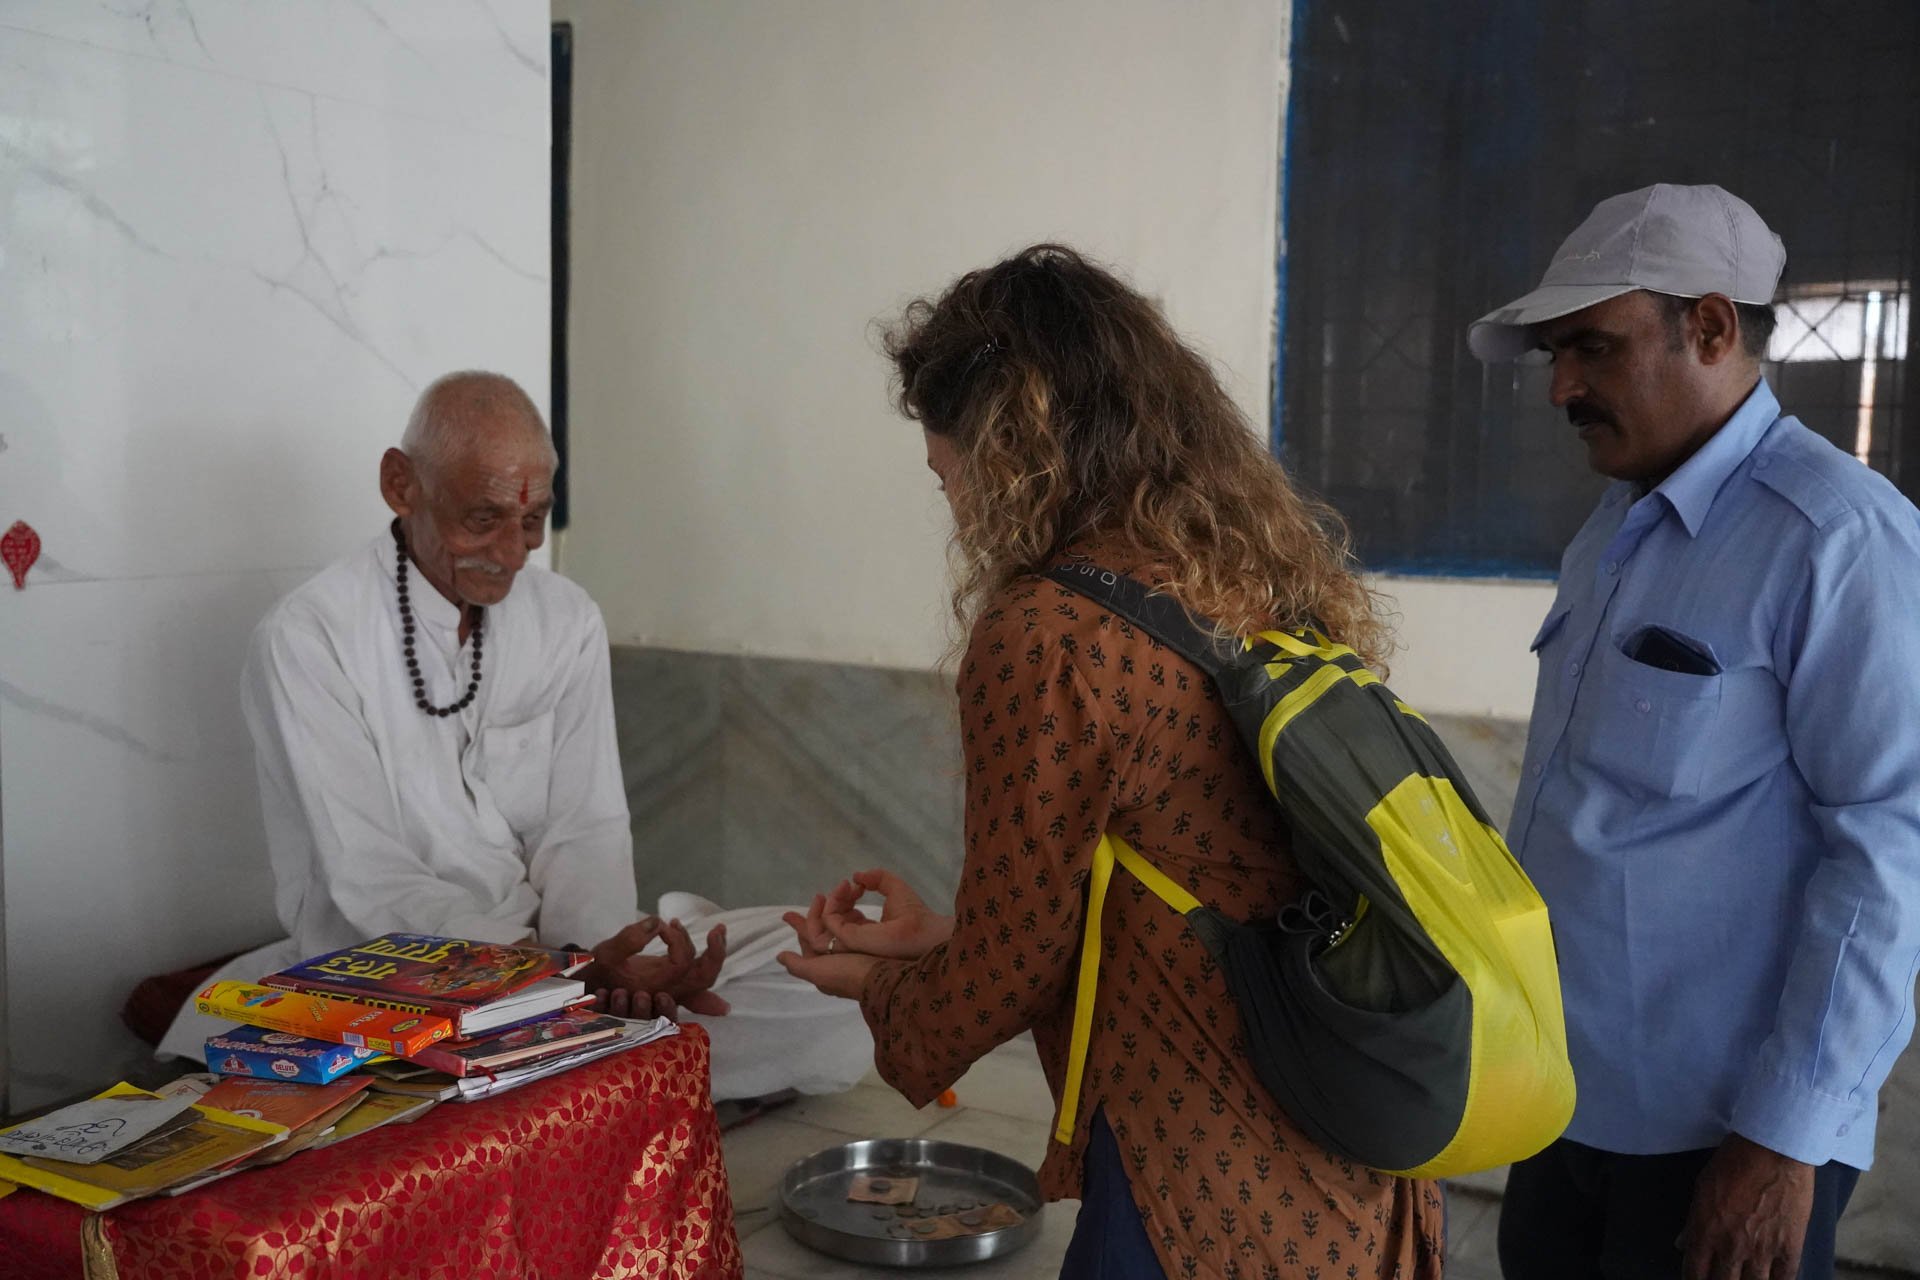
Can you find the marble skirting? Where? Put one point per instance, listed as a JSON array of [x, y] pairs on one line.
[[756, 780]]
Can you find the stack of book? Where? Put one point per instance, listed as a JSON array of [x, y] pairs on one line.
[[127, 1143], [424, 1016], [329, 1048]]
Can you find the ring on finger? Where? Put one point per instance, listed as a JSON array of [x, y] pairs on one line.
[[833, 945]]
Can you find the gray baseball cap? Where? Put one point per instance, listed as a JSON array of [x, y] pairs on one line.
[[1686, 241]]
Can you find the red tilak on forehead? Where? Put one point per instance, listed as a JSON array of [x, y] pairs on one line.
[[523, 491]]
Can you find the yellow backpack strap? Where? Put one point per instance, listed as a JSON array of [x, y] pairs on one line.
[[1105, 854]]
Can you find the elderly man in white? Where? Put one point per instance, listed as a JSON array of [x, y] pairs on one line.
[[432, 720]]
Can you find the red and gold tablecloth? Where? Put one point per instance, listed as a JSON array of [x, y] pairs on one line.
[[609, 1170]]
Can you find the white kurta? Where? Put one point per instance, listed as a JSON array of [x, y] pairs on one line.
[[507, 819]]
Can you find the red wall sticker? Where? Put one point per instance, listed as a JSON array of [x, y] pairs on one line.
[[19, 548]]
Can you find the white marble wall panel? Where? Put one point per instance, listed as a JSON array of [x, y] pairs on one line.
[[478, 64], [221, 287], [235, 241]]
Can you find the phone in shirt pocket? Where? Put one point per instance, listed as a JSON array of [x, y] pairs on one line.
[[1649, 712], [1671, 651]]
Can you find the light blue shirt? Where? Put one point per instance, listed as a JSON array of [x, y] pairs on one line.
[[1732, 860]]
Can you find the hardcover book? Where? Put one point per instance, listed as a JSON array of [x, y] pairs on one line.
[[475, 985], [562, 1033]]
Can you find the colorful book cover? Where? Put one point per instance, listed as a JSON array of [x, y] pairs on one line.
[[211, 1140], [434, 1086], [282, 1102], [428, 974], [281, 1055], [376, 1109], [317, 1017], [562, 1033]]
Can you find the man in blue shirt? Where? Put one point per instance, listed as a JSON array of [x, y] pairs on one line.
[[1720, 799]]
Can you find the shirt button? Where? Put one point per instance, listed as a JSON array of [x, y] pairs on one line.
[[1573, 668], [1613, 566], [1760, 464], [1841, 1132], [1535, 770], [1642, 706]]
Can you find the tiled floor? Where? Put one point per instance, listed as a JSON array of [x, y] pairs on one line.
[[1004, 1107]]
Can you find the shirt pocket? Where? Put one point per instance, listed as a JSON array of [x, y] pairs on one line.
[[516, 762], [1647, 729], [1550, 628]]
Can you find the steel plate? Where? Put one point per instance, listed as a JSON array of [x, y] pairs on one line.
[[816, 1212]]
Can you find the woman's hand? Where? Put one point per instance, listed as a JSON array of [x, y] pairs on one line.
[[630, 985], [906, 930], [821, 960]]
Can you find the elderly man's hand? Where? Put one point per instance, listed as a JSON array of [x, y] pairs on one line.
[[628, 984], [1749, 1215]]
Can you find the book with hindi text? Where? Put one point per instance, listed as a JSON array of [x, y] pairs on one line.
[[206, 1139], [478, 986]]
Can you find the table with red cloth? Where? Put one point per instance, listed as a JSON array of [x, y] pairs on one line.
[[609, 1170]]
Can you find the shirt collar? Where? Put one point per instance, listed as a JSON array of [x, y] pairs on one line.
[[426, 602], [1691, 489]]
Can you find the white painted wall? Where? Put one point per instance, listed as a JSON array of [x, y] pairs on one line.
[[1464, 643], [235, 241], [755, 183]]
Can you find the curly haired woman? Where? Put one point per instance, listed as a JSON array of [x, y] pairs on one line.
[[1065, 418]]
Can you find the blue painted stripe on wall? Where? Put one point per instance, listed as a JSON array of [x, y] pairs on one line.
[[1461, 567], [1275, 434]]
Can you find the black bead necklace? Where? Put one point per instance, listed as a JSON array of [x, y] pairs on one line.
[[406, 638]]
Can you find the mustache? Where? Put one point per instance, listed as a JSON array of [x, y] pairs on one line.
[[1585, 413]]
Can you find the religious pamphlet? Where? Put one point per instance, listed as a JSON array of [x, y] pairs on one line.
[[88, 1132], [284, 1103], [374, 1110], [199, 1139], [635, 1035]]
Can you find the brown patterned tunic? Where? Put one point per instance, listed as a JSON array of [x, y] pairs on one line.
[[1073, 724]]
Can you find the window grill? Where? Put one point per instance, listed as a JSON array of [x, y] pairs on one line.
[[1437, 154]]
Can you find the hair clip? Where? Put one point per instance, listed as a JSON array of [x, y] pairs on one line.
[[987, 349]]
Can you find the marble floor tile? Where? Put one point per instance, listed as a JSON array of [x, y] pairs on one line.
[[770, 1251], [871, 1109], [1491, 1182], [758, 1154], [1009, 1081], [1024, 1140], [1472, 1221], [1004, 1106]]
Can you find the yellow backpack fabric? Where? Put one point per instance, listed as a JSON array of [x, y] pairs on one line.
[[1406, 1011]]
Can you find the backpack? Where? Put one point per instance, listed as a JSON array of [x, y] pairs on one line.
[[1405, 1011]]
